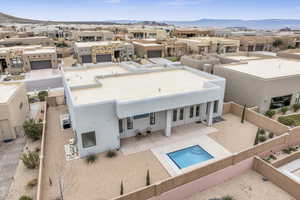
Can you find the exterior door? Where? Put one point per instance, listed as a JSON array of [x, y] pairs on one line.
[[5, 132]]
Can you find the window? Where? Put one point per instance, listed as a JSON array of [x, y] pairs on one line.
[[191, 111], [129, 123], [207, 108], [174, 115], [278, 102], [120, 126], [197, 110], [88, 139], [141, 116], [216, 106], [152, 118], [181, 113]]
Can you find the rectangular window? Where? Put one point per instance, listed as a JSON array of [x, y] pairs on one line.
[[88, 139], [120, 126], [216, 106], [152, 118], [197, 110], [181, 113], [174, 115], [207, 108], [129, 123], [141, 116], [191, 111]]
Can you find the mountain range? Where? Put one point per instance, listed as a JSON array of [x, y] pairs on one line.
[[216, 23]]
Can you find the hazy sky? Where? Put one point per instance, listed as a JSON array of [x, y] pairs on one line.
[[151, 9]]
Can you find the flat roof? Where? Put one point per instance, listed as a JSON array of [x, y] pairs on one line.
[[268, 68], [243, 57], [140, 86], [100, 43], [147, 44], [40, 50], [86, 75], [7, 91]]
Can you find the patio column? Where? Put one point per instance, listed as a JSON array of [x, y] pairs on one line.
[[168, 123], [209, 112]]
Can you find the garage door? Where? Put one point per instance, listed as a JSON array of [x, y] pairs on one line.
[[154, 54], [103, 58], [44, 64], [86, 59]]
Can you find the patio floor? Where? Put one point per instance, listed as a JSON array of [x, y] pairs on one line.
[[233, 135], [156, 139], [97, 181]]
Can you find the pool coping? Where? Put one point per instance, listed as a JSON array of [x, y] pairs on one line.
[[206, 143]]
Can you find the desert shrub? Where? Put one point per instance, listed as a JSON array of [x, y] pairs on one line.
[[33, 129], [296, 107], [262, 132], [272, 157], [286, 121], [227, 198], [90, 159], [286, 151], [111, 154], [32, 183], [270, 113], [284, 109], [25, 198], [292, 149], [30, 159], [271, 135], [262, 138], [42, 95]]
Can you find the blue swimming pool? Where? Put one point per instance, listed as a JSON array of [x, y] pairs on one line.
[[189, 156]]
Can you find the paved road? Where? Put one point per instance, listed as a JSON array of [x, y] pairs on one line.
[[9, 158]]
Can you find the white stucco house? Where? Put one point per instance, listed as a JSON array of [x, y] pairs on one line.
[[108, 102]]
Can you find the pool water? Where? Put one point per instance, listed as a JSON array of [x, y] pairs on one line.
[[189, 156]]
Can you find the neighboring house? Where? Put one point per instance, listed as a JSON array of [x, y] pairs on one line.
[[255, 43], [10, 42], [148, 49], [13, 109], [204, 45], [92, 36], [26, 58], [191, 32], [108, 102], [105, 51], [140, 34], [266, 83]]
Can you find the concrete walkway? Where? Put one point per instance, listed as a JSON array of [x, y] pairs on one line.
[[9, 159]]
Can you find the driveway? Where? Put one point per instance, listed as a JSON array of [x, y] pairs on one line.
[[9, 158]]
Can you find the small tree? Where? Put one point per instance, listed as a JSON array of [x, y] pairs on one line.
[[33, 129], [243, 114], [30, 159], [121, 188], [148, 182], [42, 95]]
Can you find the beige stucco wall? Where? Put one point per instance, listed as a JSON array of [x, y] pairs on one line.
[[14, 112], [245, 89]]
